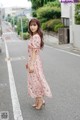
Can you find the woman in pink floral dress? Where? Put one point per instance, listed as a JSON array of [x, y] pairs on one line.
[[37, 85]]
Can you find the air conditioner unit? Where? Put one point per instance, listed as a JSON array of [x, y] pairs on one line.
[[63, 35]]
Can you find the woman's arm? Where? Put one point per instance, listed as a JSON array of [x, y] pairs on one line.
[[33, 58]]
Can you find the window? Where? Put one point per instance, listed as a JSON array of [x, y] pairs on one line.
[[65, 21]]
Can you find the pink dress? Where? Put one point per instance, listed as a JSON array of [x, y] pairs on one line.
[[37, 85]]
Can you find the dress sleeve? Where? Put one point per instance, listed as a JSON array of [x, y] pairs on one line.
[[36, 42]]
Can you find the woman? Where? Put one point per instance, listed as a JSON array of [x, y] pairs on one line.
[[37, 85]]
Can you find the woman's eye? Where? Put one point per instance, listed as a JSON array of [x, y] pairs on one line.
[[33, 25]]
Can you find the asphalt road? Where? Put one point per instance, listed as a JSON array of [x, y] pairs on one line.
[[62, 72]]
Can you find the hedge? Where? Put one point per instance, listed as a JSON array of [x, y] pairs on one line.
[[52, 25], [53, 4], [77, 14], [25, 35], [48, 13]]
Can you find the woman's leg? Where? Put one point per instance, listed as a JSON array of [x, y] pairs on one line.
[[36, 102], [40, 103]]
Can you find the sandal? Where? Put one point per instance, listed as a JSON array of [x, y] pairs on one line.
[[40, 104], [34, 105]]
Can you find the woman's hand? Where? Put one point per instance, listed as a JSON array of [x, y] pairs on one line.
[[31, 69], [27, 66]]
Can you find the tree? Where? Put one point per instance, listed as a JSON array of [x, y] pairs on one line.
[[39, 3], [8, 18], [24, 23]]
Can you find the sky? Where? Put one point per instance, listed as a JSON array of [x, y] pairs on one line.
[[15, 3]]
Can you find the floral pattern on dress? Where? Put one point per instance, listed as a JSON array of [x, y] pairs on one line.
[[37, 84]]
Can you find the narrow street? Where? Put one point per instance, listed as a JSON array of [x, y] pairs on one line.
[[62, 72]]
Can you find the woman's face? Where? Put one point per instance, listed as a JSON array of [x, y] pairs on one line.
[[33, 27]]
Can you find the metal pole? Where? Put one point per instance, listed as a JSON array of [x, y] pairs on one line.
[[1, 20], [22, 28], [1, 24], [13, 23]]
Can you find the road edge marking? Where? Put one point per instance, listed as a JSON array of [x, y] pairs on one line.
[[62, 50], [15, 101]]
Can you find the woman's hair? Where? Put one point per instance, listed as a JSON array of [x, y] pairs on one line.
[[38, 30]]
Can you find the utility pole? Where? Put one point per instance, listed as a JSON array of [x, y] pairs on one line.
[[22, 27], [13, 22], [0, 25], [0, 21]]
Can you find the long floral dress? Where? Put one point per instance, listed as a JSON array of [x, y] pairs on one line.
[[37, 85]]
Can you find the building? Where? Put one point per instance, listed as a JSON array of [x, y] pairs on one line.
[[68, 18], [12, 11]]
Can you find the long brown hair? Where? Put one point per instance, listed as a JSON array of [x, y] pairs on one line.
[[39, 31]]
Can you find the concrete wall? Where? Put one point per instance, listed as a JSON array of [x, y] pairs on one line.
[[76, 36], [68, 11], [75, 30], [72, 22], [65, 10]]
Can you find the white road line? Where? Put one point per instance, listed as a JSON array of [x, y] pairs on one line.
[[9, 33], [15, 101], [64, 51], [15, 58]]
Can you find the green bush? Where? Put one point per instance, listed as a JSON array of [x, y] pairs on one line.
[[53, 4], [52, 25], [44, 26], [0, 31], [77, 19], [77, 14], [43, 20], [48, 13], [56, 27], [25, 35]]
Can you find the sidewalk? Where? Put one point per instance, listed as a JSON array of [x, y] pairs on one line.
[[53, 41]]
